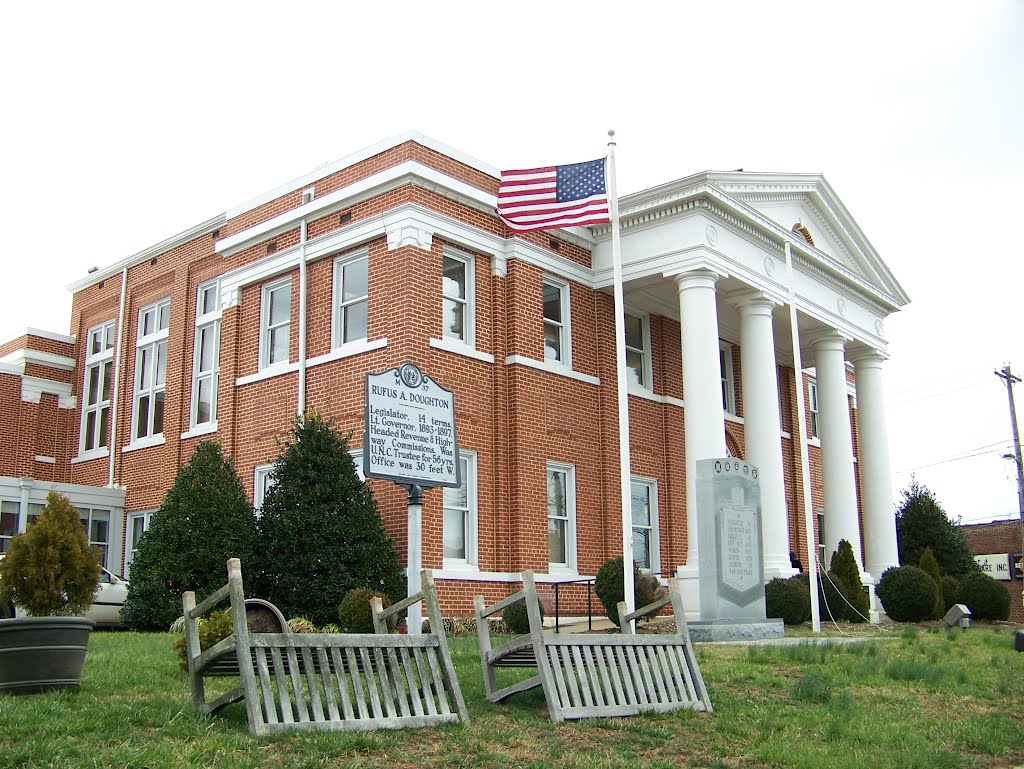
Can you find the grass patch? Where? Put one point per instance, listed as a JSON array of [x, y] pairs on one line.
[[915, 701]]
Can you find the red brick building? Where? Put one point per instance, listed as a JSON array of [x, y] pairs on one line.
[[394, 254], [1000, 541]]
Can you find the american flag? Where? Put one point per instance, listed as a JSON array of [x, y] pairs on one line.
[[556, 196]]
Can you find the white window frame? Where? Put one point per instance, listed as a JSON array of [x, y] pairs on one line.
[[468, 470], [155, 343], [468, 303], [261, 482], [209, 320], [143, 517], [97, 361], [569, 471], [647, 382], [654, 542], [86, 515], [5, 540], [812, 407], [728, 380], [339, 307], [564, 326], [265, 329]]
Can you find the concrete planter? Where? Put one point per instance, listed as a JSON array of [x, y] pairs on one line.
[[38, 654]]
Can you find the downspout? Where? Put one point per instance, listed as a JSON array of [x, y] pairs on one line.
[[302, 318], [112, 440]]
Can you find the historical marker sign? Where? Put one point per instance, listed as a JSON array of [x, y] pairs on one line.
[[410, 429]]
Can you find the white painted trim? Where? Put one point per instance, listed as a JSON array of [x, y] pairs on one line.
[[565, 310], [144, 443], [206, 428], [87, 456], [732, 418], [468, 261], [43, 334], [643, 392], [340, 262], [264, 350], [270, 372], [459, 348], [9, 368], [33, 387], [570, 568], [45, 460], [347, 351], [815, 442], [550, 368], [471, 575], [28, 355]]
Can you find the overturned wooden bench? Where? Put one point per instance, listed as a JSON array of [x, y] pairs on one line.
[[341, 682], [596, 675]]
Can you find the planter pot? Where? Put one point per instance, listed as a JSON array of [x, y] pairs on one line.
[[38, 654]]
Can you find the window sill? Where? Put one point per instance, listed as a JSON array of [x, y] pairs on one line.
[[732, 418], [642, 392], [347, 351], [207, 428], [144, 443], [462, 568], [460, 348], [278, 369], [815, 442], [87, 456], [552, 368]]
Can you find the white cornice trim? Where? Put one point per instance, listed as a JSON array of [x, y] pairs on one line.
[[155, 250], [42, 334], [32, 388], [359, 156], [9, 368], [27, 355]]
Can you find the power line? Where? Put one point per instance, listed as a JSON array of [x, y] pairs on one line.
[[967, 454]]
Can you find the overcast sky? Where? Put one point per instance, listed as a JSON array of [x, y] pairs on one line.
[[127, 123]]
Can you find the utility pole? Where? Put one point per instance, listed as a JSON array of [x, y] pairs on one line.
[[1009, 378]]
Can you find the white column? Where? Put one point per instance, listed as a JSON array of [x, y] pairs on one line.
[[703, 415], [881, 550], [762, 431], [841, 521]]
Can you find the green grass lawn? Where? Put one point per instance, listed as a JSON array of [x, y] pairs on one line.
[[918, 698]]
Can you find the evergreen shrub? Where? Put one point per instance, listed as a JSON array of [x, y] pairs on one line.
[[985, 597], [930, 565], [355, 614], [320, 531], [50, 570], [610, 586], [517, 619], [213, 628], [204, 520], [844, 568], [788, 600], [907, 593], [950, 593], [832, 596]]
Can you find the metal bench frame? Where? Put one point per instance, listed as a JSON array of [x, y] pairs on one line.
[[337, 682], [596, 675]]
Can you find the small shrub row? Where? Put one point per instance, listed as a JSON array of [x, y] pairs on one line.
[[610, 586], [910, 594]]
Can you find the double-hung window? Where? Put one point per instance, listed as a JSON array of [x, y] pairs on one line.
[[638, 351], [457, 302], [275, 323], [206, 355], [99, 373], [10, 515], [644, 509], [151, 369], [556, 322], [812, 405], [460, 515], [262, 483], [96, 522], [728, 383], [561, 485], [137, 525], [351, 299]]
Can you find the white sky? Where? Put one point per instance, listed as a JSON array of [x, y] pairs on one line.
[[127, 123]]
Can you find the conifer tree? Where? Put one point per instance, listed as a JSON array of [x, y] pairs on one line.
[[930, 566], [320, 531], [844, 567], [204, 520], [921, 522]]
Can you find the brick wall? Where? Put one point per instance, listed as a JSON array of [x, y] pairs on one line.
[[1000, 537]]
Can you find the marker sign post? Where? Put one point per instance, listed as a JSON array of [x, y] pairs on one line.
[[410, 439]]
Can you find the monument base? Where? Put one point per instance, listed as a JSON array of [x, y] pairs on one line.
[[736, 629]]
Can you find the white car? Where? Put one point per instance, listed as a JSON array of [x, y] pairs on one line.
[[106, 607]]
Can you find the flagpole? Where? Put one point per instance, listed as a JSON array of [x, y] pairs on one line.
[[620, 370]]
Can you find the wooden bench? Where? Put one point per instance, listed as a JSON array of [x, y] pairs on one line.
[[349, 682], [596, 675]]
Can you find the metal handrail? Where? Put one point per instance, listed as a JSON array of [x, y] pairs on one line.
[[589, 582]]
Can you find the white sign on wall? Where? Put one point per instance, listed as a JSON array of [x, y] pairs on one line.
[[410, 429], [996, 565]]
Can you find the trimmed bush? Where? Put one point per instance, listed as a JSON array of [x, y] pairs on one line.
[[355, 614], [204, 520], [301, 625], [213, 628], [985, 597], [929, 565], [320, 530], [844, 568], [788, 600], [50, 570], [610, 586], [517, 619], [907, 593], [950, 593]]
